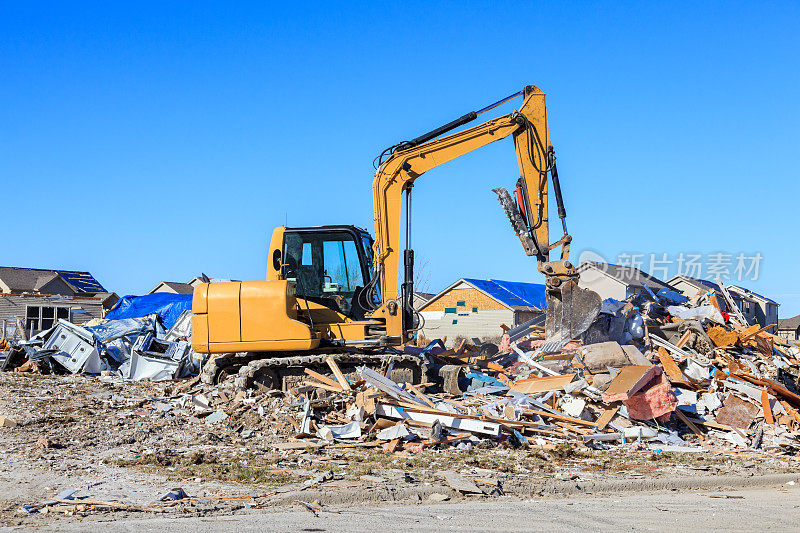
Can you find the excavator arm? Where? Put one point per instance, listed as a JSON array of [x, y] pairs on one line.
[[570, 309]]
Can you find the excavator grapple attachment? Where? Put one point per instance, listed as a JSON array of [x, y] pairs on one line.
[[570, 309], [570, 312]]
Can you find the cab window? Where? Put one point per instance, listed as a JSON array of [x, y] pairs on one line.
[[325, 267]]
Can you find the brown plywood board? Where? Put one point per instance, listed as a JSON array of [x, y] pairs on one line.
[[629, 380], [545, 384]]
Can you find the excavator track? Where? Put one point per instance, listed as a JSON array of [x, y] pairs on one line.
[[287, 371]]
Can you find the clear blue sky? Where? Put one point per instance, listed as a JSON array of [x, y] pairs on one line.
[[153, 142]]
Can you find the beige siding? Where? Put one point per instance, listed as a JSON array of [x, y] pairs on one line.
[[602, 284], [686, 288], [14, 306], [483, 325], [467, 294]]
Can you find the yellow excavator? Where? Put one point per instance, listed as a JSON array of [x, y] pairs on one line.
[[333, 291]]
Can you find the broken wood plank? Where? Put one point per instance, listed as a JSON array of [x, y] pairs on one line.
[[338, 373], [545, 384], [628, 381], [768, 418], [563, 418], [420, 395], [322, 386], [323, 379], [684, 338], [689, 423], [606, 417], [671, 367], [746, 336]]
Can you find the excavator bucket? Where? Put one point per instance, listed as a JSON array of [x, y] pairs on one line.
[[570, 309], [570, 312]]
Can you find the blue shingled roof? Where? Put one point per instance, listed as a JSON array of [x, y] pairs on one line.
[[83, 281], [513, 293]]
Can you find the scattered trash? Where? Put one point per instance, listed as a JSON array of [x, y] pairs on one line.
[[174, 494]]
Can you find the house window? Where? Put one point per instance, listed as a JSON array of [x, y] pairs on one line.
[[474, 309], [42, 317], [461, 303], [449, 309]]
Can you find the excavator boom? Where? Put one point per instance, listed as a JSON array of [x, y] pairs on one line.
[[570, 309]]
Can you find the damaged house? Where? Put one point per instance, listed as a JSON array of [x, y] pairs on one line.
[[756, 309], [476, 308], [789, 328], [33, 299], [617, 281], [176, 287]]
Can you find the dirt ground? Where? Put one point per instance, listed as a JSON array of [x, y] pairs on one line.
[[764, 509], [124, 445]]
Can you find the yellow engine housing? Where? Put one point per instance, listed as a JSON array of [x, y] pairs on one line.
[[248, 316]]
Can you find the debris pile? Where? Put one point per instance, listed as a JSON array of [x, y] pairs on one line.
[[658, 371], [133, 348], [661, 372]]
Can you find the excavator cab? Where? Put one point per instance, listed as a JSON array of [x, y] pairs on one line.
[[331, 266]]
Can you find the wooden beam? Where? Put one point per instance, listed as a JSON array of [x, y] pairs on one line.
[[323, 379], [322, 386], [689, 423], [420, 395], [768, 417], [338, 373], [606, 417]]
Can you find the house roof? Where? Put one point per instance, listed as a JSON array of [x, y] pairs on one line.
[[424, 295], [750, 293], [516, 295], [626, 274], [736, 292], [33, 279], [789, 323], [176, 286]]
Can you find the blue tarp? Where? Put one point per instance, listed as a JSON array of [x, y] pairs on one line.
[[167, 306], [672, 296], [514, 293]]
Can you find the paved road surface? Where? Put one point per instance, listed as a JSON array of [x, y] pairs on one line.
[[773, 509]]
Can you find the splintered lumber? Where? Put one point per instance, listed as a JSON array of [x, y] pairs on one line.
[[768, 418], [684, 339], [322, 386], [670, 366], [777, 389], [628, 381], [323, 379], [689, 423], [420, 395], [338, 373], [606, 417], [545, 384], [722, 337]]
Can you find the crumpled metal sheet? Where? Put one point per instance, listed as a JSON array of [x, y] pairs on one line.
[[117, 337], [74, 348]]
